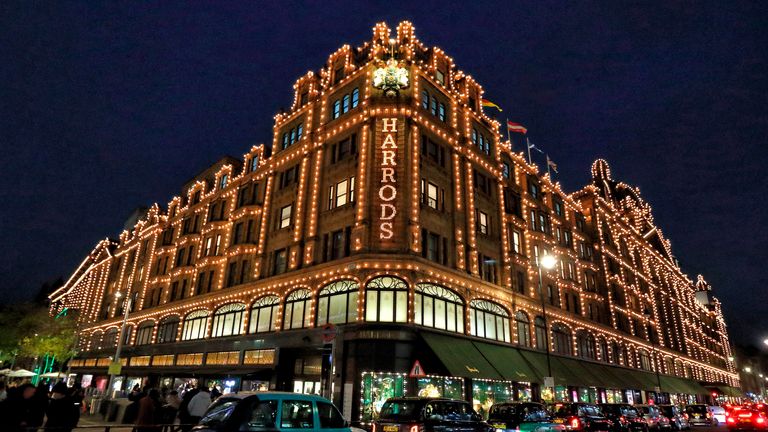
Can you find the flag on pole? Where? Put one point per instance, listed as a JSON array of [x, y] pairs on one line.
[[532, 146], [552, 165], [516, 127], [489, 104]]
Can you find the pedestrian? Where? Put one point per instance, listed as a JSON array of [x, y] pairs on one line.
[[171, 407], [215, 393], [132, 410], [78, 398], [19, 411], [184, 416], [61, 412], [199, 404], [150, 415], [3, 393]]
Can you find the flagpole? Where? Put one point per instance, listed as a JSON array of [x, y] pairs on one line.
[[509, 138], [548, 173], [528, 144]]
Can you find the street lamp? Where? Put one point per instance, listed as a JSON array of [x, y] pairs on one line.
[[116, 359], [647, 314], [548, 262]]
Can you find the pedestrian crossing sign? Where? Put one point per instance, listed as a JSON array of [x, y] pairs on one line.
[[416, 371]]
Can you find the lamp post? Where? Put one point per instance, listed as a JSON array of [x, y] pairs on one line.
[[116, 359], [548, 262], [647, 314]]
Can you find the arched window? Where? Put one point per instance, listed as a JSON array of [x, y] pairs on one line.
[[615, 353], [386, 300], [438, 307], [228, 320], [144, 333], [586, 343], [337, 303], [168, 329], [523, 329], [669, 366], [297, 308], [264, 314], [488, 320], [541, 333], [95, 341], [127, 331], [602, 347], [195, 325], [561, 339], [110, 339], [644, 359]]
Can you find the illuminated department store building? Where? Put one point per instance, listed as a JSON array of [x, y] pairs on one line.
[[391, 206]]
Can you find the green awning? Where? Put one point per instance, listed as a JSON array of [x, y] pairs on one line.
[[671, 384], [606, 377], [508, 361], [694, 387], [580, 373], [460, 357], [730, 391], [538, 362]]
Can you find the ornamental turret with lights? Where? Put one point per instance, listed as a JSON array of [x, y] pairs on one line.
[[389, 223]]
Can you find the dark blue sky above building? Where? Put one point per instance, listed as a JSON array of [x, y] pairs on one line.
[[108, 106]]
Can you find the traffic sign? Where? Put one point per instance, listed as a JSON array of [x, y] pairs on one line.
[[115, 368], [417, 371], [329, 332]]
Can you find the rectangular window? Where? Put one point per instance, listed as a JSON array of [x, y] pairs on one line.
[[516, 242], [218, 245], [281, 262], [434, 105], [336, 109], [285, 216], [533, 220], [482, 220], [432, 195], [237, 233], [441, 112], [505, 170], [440, 77], [433, 247], [304, 98], [337, 244], [345, 103], [231, 272]]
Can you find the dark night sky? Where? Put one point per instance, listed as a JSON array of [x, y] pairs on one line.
[[104, 107]]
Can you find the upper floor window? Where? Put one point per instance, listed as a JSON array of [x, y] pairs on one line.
[[345, 103], [337, 303], [228, 320], [292, 136], [533, 188], [253, 163], [482, 183], [482, 222], [586, 345], [289, 176], [285, 216], [432, 195], [433, 151], [280, 263], [425, 99], [480, 141], [441, 112], [505, 169], [434, 106], [516, 244], [144, 333], [341, 193], [440, 77], [438, 307], [344, 148], [386, 300], [541, 333], [489, 320], [557, 206], [304, 98], [223, 181], [297, 309], [263, 316]]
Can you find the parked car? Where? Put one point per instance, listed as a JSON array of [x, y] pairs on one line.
[[625, 417], [580, 416], [676, 418], [653, 417], [522, 416], [718, 413], [699, 415], [746, 418], [428, 415], [271, 412]]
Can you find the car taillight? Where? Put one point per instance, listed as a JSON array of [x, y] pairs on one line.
[[686, 416], [730, 420], [622, 419], [414, 428], [760, 420], [574, 422]]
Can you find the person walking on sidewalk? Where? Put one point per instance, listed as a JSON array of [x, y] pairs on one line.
[[150, 412], [199, 404]]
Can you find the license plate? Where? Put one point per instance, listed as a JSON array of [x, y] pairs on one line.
[[558, 421], [391, 428], [499, 425]]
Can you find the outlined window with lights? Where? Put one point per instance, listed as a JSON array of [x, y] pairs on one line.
[[431, 195], [228, 320], [144, 333], [386, 300], [523, 325], [167, 329], [438, 307], [195, 325], [337, 303], [488, 320], [296, 311], [264, 313]]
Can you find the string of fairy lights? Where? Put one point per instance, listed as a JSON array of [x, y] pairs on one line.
[[669, 294]]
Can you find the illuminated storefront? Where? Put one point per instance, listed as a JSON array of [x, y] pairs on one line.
[[389, 220]]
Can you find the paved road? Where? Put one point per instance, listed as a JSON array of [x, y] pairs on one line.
[[720, 428]]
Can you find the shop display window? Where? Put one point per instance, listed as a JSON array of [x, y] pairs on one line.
[[485, 393], [436, 386], [375, 389]]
